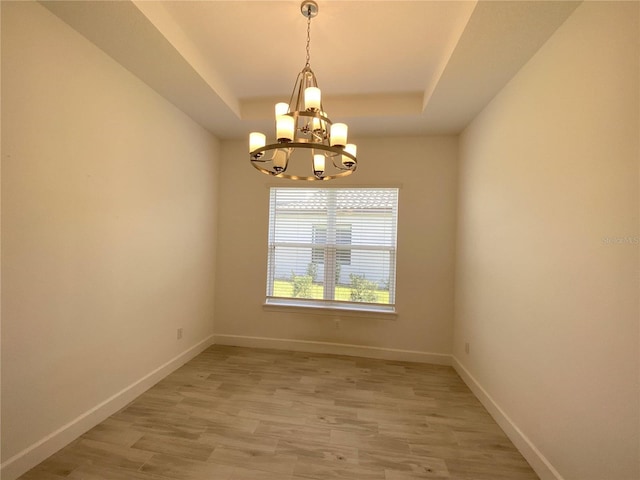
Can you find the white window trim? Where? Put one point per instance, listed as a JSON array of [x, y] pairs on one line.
[[336, 308], [323, 307]]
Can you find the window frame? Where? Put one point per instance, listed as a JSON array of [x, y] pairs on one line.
[[328, 305]]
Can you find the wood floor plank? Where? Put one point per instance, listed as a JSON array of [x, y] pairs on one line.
[[100, 472], [320, 470], [269, 462], [241, 473], [172, 445], [113, 431], [241, 414], [180, 468]]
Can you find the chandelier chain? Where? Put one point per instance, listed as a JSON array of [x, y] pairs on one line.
[[308, 37]]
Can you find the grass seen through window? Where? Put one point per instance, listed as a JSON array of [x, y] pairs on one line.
[[346, 293]]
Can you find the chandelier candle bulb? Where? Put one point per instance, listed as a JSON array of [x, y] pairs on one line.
[[312, 98], [352, 149], [338, 135], [318, 164], [280, 161], [282, 109], [256, 140], [316, 124], [285, 126]]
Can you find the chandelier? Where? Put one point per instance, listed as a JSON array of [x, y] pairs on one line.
[[304, 131]]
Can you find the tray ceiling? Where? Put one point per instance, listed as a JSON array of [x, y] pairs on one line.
[[384, 67]]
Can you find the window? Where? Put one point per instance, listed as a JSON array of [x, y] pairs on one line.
[[332, 247], [343, 237]]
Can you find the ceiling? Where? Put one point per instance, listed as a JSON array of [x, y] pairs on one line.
[[384, 67]]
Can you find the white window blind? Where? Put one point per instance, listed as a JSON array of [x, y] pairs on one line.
[[333, 246]]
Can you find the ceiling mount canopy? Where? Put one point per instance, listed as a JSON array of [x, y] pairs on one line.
[[304, 131]]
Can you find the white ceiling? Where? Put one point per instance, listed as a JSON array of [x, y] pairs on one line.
[[384, 67]]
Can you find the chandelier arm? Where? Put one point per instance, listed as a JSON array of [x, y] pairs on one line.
[[299, 177], [339, 165], [317, 137], [257, 158], [262, 158], [309, 145], [318, 115], [295, 88]]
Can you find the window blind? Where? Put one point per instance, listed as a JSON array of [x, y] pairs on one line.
[[333, 246]]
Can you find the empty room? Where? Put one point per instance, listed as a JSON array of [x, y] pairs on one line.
[[298, 240]]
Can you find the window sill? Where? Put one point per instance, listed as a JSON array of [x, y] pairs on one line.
[[336, 310]]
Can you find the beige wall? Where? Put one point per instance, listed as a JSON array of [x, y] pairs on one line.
[[425, 171], [108, 227], [549, 171]]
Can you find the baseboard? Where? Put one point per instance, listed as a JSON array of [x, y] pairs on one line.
[[333, 348], [47, 446], [536, 459]]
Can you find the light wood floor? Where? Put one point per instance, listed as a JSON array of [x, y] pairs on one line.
[[243, 414]]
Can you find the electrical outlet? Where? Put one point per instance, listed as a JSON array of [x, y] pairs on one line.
[[466, 347], [179, 335], [338, 323]]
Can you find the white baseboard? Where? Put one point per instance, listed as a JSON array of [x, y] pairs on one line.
[[333, 348], [47, 446], [536, 459]]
